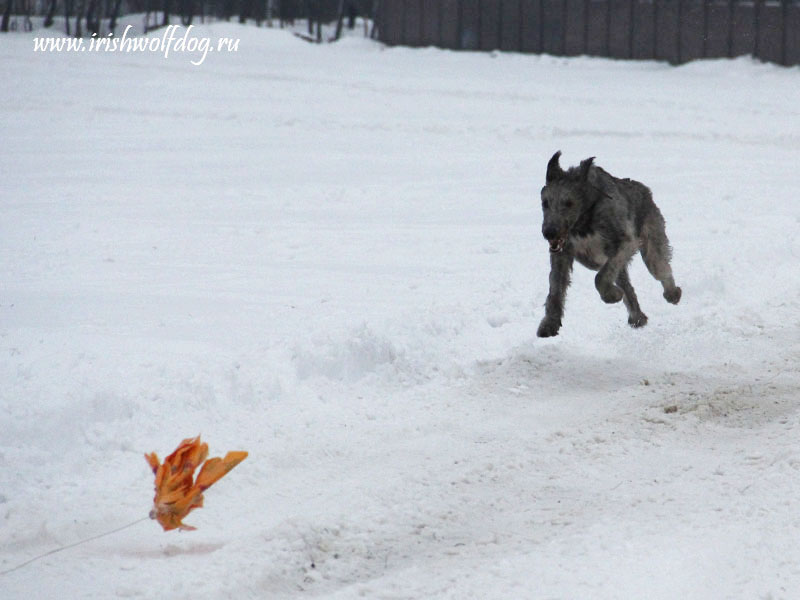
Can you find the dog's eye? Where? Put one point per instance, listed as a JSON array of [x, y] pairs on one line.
[[568, 203], [545, 204]]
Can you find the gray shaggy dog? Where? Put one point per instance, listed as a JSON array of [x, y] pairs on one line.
[[601, 221]]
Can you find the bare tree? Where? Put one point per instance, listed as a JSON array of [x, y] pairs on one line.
[[79, 13], [339, 19], [92, 18], [186, 8], [112, 21], [374, 16], [67, 13], [260, 12], [51, 13], [27, 24], [6, 16], [78, 17]]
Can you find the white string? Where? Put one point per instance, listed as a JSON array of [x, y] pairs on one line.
[[35, 558]]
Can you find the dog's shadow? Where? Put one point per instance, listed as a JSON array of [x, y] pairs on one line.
[[726, 396], [554, 367], [170, 550]]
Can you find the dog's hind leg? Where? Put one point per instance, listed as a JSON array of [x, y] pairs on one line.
[[560, 269], [636, 318], [656, 253]]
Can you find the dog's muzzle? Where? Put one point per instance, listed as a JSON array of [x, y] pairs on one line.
[[554, 237], [557, 244]]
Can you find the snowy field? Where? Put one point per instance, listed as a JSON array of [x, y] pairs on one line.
[[330, 256]]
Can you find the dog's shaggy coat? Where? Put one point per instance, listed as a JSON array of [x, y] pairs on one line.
[[601, 221]]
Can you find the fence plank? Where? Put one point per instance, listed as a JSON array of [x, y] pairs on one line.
[[667, 29], [470, 24], [451, 36], [692, 30], [575, 28], [392, 19], [511, 28], [597, 40], [412, 29], [644, 32], [531, 25], [770, 32], [743, 28], [553, 27], [431, 33], [620, 29], [718, 29], [490, 24], [792, 34]]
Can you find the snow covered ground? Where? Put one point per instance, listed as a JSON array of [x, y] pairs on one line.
[[330, 256]]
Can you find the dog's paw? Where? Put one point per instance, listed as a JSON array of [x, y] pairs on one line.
[[637, 321], [548, 327], [611, 295], [673, 296]]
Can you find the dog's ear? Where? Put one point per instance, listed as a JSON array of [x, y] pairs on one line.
[[554, 170], [585, 166]]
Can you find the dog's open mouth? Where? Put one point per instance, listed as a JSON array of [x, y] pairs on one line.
[[557, 244]]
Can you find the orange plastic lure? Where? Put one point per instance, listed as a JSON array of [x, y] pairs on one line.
[[177, 492]]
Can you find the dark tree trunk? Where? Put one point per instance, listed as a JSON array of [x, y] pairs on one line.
[[67, 13], [260, 11], [92, 19], [187, 12], [6, 16], [78, 17], [376, 6], [167, 8], [27, 24], [339, 19], [286, 12], [112, 21], [51, 13]]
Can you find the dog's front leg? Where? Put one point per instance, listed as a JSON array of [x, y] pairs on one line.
[[560, 269], [605, 280]]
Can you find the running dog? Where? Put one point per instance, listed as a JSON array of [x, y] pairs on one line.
[[601, 221]]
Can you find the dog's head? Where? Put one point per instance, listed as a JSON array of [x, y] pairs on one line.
[[563, 200]]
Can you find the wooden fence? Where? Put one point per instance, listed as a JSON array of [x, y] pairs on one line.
[[672, 30]]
